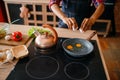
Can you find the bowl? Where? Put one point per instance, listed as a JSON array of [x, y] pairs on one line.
[[77, 47], [2, 33]]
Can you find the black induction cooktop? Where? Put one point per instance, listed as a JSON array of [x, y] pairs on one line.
[[54, 64]]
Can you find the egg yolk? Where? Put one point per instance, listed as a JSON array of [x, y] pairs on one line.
[[70, 47], [78, 45]]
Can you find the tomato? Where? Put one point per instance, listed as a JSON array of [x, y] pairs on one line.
[[17, 36]]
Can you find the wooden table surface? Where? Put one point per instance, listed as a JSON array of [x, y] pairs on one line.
[[5, 69]]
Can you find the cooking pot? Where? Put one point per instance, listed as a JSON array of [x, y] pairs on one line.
[[46, 40]]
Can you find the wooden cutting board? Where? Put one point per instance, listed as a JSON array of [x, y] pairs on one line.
[[15, 43]]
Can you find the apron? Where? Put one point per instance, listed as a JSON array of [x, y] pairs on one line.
[[79, 9]]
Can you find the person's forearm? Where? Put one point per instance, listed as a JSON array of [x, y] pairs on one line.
[[98, 12], [55, 8]]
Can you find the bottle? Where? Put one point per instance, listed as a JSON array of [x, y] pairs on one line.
[[6, 27]]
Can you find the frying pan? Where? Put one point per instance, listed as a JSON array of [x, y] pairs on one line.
[[78, 47], [85, 47]]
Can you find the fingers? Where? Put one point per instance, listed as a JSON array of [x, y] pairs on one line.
[[67, 21], [71, 23], [83, 25], [86, 25], [75, 25]]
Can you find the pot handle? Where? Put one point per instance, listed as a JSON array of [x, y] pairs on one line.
[[55, 35], [91, 35]]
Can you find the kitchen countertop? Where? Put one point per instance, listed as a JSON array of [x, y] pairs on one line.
[[5, 69]]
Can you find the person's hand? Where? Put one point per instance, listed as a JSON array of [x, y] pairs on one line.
[[86, 24], [71, 23]]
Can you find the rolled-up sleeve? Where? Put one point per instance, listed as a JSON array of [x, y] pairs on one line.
[[54, 2], [97, 2]]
